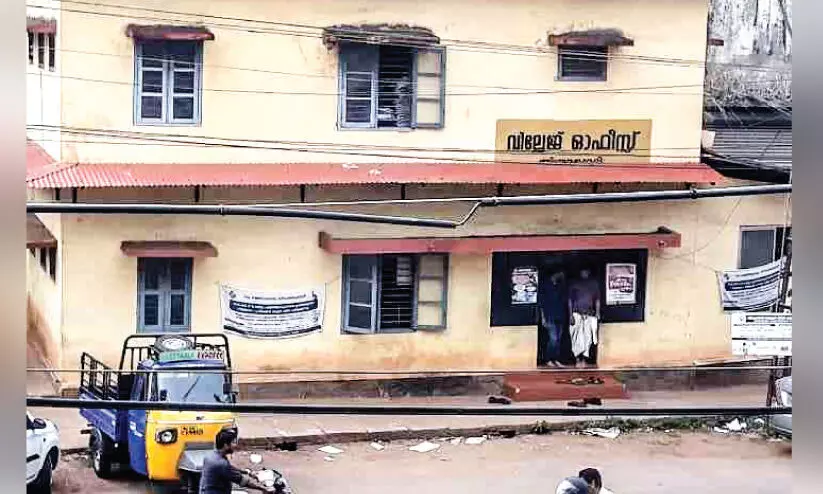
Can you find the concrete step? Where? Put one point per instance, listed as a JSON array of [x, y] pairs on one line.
[[548, 385]]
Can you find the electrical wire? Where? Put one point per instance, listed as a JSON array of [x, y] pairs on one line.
[[342, 150], [639, 90], [439, 372], [316, 32], [322, 409]]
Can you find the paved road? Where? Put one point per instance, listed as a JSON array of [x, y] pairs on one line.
[[638, 463]]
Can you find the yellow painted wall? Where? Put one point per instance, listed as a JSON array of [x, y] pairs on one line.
[[683, 319], [98, 60]]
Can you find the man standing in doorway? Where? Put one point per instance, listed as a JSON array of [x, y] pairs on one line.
[[584, 314], [553, 315]]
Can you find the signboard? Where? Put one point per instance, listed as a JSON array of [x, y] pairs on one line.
[[621, 284], [750, 289], [192, 354], [761, 334], [271, 315], [564, 142], [524, 286]]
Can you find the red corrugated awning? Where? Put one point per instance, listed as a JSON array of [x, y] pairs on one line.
[[226, 175], [168, 249], [663, 238]]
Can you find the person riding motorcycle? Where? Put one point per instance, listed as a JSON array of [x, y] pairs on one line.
[[218, 474]]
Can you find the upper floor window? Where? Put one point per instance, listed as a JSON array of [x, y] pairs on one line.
[[385, 86], [761, 245], [168, 85], [42, 50], [582, 63]]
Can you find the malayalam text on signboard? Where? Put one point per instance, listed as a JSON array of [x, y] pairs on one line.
[[561, 142], [271, 315], [761, 334], [750, 289]]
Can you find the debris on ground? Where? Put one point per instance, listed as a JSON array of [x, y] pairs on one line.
[[255, 459], [265, 476], [500, 400], [328, 458], [733, 426], [377, 446], [331, 450], [456, 441], [736, 426], [606, 433], [474, 441], [425, 447]]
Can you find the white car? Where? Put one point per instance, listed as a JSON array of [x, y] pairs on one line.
[[782, 424], [42, 454]]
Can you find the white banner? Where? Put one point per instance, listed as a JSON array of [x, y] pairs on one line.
[[761, 334], [750, 289], [621, 284], [271, 315]]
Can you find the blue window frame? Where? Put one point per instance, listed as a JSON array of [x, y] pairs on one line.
[[391, 87], [394, 293], [167, 88], [163, 295]]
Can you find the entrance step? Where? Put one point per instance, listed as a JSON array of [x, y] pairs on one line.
[[560, 386]]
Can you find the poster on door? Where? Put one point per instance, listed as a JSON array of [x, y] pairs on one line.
[[621, 284], [524, 286], [271, 315]]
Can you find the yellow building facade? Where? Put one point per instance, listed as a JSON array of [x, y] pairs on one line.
[[283, 102]]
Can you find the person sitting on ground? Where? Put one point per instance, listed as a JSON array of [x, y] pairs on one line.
[[218, 474], [595, 481], [572, 485]]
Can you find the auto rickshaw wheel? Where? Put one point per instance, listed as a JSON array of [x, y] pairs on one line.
[[102, 454]]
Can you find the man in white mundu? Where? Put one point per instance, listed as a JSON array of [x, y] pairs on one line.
[[584, 310]]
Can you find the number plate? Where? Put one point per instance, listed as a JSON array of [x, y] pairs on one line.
[[191, 430]]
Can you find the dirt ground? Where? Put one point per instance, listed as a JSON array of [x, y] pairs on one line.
[[637, 463]]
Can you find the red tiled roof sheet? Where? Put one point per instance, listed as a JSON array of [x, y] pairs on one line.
[[38, 161], [102, 175]]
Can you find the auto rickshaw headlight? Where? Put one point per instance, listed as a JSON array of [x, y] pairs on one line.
[[166, 436]]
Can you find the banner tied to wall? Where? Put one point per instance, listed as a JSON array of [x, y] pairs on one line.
[[750, 289], [271, 315]]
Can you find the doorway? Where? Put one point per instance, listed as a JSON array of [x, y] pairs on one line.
[[569, 283]]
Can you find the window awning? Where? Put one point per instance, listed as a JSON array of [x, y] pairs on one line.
[[41, 25], [37, 235], [167, 32], [157, 248], [398, 34], [662, 238], [591, 37]]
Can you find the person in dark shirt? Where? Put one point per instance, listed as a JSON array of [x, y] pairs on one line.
[[218, 474], [553, 316]]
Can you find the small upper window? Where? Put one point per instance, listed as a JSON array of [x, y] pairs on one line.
[[582, 63], [167, 90]]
